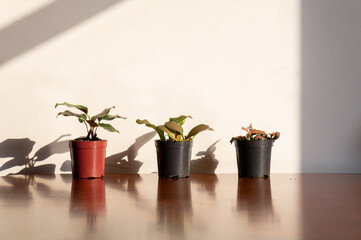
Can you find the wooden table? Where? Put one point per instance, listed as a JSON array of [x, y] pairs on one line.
[[284, 206]]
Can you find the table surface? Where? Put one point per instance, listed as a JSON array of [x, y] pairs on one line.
[[222, 206]]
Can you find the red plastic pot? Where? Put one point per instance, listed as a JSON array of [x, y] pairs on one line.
[[87, 158]]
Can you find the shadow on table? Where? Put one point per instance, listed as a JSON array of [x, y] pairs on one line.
[[19, 150], [207, 163], [116, 164]]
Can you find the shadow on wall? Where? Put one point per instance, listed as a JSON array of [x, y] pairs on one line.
[[46, 23], [115, 164], [19, 150], [331, 84], [207, 163]]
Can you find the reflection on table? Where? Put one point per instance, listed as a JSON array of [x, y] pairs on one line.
[[254, 198], [88, 199], [284, 206], [174, 205]]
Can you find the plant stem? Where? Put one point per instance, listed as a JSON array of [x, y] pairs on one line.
[[87, 129], [96, 128], [88, 135], [92, 132]]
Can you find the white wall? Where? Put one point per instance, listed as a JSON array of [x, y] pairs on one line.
[[226, 63]]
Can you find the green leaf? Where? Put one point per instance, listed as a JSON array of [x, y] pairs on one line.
[[108, 127], [175, 127], [181, 119], [170, 134], [80, 107], [110, 117], [67, 113], [102, 113], [157, 129], [197, 129]]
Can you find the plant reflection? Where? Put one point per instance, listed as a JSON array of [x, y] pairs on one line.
[[206, 183], [174, 205], [21, 188], [126, 183], [88, 198], [254, 196]]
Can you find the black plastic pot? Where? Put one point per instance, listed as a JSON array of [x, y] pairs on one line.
[[173, 158], [253, 157]]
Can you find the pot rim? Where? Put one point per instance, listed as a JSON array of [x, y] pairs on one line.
[[158, 140], [255, 143], [74, 140], [173, 144], [87, 144], [241, 140]]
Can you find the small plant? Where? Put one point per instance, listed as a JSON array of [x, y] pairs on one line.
[[91, 123], [254, 135], [173, 128]]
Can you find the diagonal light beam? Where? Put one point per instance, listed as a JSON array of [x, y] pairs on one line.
[[47, 23]]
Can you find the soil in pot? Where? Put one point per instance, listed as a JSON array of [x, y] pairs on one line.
[[253, 157], [87, 158], [173, 158]]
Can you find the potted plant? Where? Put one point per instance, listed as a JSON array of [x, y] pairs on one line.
[[254, 152], [88, 153], [174, 149]]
